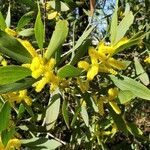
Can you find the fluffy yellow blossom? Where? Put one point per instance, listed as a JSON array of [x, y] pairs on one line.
[[53, 15], [28, 46], [101, 61], [18, 97], [147, 60], [11, 145], [110, 98], [10, 32], [112, 95], [44, 69]]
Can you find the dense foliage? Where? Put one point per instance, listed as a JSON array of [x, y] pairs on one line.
[[74, 74]]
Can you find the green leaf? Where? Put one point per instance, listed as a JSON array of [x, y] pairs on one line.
[[125, 96], [19, 85], [39, 29], [21, 110], [5, 116], [71, 4], [6, 135], [52, 111], [24, 20], [58, 38], [123, 26], [65, 112], [81, 51], [134, 130], [3, 25], [41, 144], [13, 48], [114, 25], [10, 74], [77, 111], [119, 121], [26, 32], [68, 71], [142, 75], [8, 17], [63, 6], [84, 115], [126, 83]]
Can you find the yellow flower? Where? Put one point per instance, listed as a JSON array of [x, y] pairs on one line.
[[28, 46], [101, 61], [44, 69], [11, 145], [10, 32], [84, 65], [92, 72], [112, 95], [147, 60], [18, 97], [53, 15]]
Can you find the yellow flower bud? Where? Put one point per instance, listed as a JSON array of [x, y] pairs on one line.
[[93, 71], [84, 65]]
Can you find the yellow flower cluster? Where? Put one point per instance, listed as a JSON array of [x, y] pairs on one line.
[[112, 95], [11, 32], [102, 60], [44, 69], [51, 13], [11, 145], [18, 97]]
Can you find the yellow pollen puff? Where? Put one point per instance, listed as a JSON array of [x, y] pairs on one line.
[[29, 47], [51, 63], [10, 32], [116, 63], [40, 84], [53, 15], [37, 73], [113, 93], [103, 49], [121, 42], [92, 72], [147, 60], [13, 144], [84, 65], [115, 107], [4, 62]]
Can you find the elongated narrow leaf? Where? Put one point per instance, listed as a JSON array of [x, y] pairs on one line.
[[13, 48], [26, 32], [119, 121], [77, 111], [41, 143], [125, 96], [81, 51], [24, 20], [124, 26], [8, 17], [2, 22], [4, 116], [84, 115], [68, 71], [65, 112], [52, 111], [142, 75], [114, 25], [19, 85], [39, 29], [126, 83], [6, 135], [58, 38], [11, 74]]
